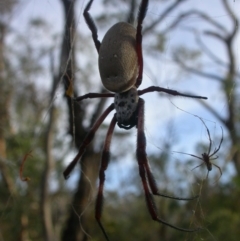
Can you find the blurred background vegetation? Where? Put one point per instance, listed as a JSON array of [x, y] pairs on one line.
[[36, 68]]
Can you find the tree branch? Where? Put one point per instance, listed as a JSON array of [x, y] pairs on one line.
[[200, 14], [162, 16], [197, 72], [213, 112]]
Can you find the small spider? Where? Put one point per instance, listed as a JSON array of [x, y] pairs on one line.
[[207, 157], [121, 67]]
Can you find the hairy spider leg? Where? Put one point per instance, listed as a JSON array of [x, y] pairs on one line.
[[142, 163], [103, 166], [168, 91], [141, 15], [153, 185], [94, 95], [91, 25], [87, 141], [142, 92]]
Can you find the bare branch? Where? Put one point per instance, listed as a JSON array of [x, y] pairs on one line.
[[162, 16], [199, 14], [130, 16], [213, 112], [208, 52], [214, 34], [231, 14], [197, 72]]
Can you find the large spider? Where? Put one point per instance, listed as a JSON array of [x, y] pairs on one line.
[[208, 157], [121, 69]]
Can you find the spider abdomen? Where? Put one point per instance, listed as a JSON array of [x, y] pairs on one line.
[[118, 61]]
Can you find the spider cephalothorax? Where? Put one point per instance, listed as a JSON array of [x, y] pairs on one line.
[[121, 70], [126, 106]]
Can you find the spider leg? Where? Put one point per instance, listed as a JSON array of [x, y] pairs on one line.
[[142, 160], [169, 91], [209, 136], [217, 149], [104, 164], [91, 25], [87, 140], [200, 158], [153, 185], [141, 15], [197, 166], [203, 158], [93, 95], [218, 169]]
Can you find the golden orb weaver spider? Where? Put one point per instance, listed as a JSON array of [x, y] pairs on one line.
[[121, 69]]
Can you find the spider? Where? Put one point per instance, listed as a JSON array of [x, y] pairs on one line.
[[121, 68], [207, 157]]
